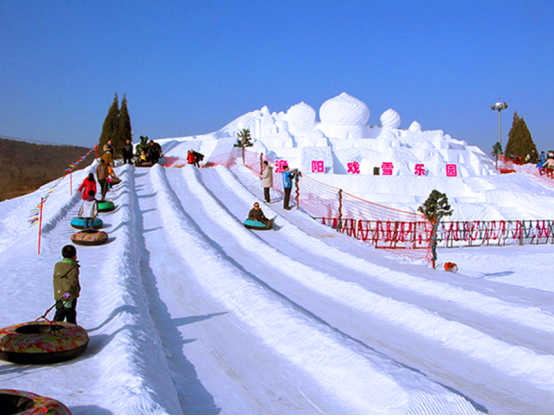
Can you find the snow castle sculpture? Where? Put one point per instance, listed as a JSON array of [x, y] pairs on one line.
[[344, 143]]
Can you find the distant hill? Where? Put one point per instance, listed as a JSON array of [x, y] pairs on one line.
[[25, 167]]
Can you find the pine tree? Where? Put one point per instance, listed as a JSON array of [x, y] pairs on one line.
[[244, 139], [434, 209], [124, 132], [111, 126], [520, 144], [497, 151]]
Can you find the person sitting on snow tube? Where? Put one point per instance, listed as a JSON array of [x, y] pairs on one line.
[[88, 184], [256, 214], [89, 210]]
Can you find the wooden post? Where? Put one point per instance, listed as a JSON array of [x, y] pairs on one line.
[[340, 210], [297, 190]]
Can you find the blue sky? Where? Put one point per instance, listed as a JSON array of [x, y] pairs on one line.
[[190, 67]]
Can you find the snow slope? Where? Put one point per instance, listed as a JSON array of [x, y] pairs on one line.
[[189, 312]]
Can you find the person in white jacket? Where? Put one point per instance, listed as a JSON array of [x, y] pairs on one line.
[[267, 180], [89, 210]]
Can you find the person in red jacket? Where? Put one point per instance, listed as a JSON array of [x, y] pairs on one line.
[[88, 184], [191, 158]]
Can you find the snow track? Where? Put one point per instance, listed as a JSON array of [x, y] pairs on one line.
[[440, 321], [358, 379], [188, 312]]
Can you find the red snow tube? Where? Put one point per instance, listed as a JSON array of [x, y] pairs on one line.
[[17, 402], [450, 267], [89, 237], [42, 342]]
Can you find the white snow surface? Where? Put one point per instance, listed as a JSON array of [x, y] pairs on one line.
[[188, 312]]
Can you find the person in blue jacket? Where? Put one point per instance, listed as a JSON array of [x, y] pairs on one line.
[[288, 176]]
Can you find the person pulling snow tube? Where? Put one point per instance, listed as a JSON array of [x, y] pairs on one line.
[[42, 342], [89, 237], [105, 206], [79, 223], [18, 402], [257, 225]]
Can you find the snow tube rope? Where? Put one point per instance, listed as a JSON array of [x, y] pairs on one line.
[[42, 342], [18, 402], [79, 223], [89, 237]]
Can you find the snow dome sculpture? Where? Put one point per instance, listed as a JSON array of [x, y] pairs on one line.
[[390, 119], [344, 117], [300, 119], [415, 127]]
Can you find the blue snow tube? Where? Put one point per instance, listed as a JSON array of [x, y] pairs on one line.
[[79, 223], [257, 225]]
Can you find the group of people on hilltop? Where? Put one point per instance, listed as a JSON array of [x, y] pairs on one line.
[[546, 162], [152, 153]]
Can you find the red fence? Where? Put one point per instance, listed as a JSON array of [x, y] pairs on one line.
[[387, 228], [381, 226]]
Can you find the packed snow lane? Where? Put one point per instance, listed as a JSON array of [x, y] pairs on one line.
[[217, 365], [115, 374], [436, 342], [335, 366]]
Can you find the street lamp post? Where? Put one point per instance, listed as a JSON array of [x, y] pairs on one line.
[[499, 106]]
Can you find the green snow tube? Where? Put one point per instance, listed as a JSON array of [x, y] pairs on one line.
[[105, 206]]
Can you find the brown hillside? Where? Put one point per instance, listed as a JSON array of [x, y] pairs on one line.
[[25, 167]]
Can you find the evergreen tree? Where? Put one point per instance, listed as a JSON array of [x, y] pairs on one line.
[[433, 209], [497, 151], [124, 127], [520, 143], [244, 139], [110, 127]]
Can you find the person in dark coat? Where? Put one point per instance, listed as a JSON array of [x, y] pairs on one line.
[[66, 285], [102, 175], [89, 184], [288, 176], [257, 214], [127, 151], [154, 152], [198, 157]]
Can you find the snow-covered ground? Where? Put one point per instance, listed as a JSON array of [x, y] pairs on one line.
[[189, 312]]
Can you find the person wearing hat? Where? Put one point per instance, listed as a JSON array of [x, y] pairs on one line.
[[288, 176], [267, 180]]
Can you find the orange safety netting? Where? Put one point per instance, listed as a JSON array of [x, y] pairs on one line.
[[402, 232]]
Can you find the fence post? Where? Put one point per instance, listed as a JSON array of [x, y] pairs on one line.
[[521, 230], [261, 164], [340, 210], [40, 223], [296, 182]]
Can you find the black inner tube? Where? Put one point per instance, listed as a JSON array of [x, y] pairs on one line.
[[38, 329], [12, 404]]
